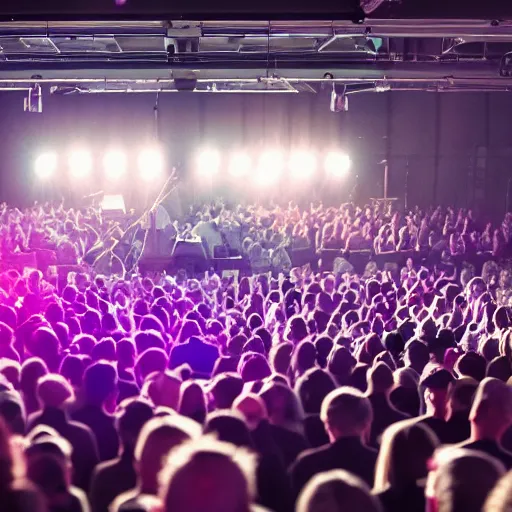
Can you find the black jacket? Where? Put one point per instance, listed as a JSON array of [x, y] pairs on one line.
[[347, 453], [102, 425]]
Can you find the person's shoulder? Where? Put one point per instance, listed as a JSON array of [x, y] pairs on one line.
[[33, 420], [79, 496], [468, 444], [486, 446], [259, 508], [370, 451], [206, 345], [310, 455], [79, 429], [103, 469], [355, 447], [179, 347], [77, 408], [26, 498], [399, 415], [139, 502], [123, 499]]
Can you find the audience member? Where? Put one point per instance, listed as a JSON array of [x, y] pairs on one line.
[[116, 476], [402, 463], [337, 491], [49, 467], [347, 415], [460, 480], [220, 474], [99, 395], [54, 392], [108, 376], [490, 417]]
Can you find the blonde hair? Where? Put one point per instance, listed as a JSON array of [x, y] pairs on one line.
[[221, 474], [347, 411], [337, 491], [500, 499], [463, 479], [53, 390], [157, 438], [492, 396], [404, 452]]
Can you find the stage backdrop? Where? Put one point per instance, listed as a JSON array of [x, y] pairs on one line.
[[443, 148]]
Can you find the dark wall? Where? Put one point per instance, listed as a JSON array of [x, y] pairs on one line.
[[432, 138]]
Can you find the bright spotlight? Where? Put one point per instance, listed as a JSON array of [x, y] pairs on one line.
[[45, 165], [114, 164], [208, 162], [303, 164], [337, 163], [270, 167], [151, 164], [240, 164], [80, 163]]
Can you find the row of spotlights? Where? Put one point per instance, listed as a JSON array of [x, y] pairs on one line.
[[302, 164], [115, 164], [272, 163]]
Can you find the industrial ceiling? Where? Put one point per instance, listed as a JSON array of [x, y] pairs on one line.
[[130, 56]]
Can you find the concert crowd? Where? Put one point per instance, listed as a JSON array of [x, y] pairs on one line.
[[287, 389]]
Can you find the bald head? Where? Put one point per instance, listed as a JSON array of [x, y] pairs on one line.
[[491, 413]]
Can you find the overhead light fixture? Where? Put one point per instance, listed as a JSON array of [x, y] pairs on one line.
[[369, 6], [33, 103], [506, 65], [339, 98], [382, 86]]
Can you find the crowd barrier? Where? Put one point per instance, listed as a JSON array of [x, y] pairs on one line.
[[192, 258], [325, 259]]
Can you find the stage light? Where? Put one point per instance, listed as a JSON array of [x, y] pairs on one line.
[[45, 165], [240, 164], [270, 168], [208, 162], [33, 103], [151, 164], [80, 163], [339, 98], [337, 163], [115, 164], [303, 164]]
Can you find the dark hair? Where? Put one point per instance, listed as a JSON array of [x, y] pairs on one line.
[[312, 388], [100, 382], [72, 368], [229, 427], [132, 416], [304, 357], [192, 402], [472, 365], [148, 339]]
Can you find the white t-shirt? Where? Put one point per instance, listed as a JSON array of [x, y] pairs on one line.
[[209, 234]]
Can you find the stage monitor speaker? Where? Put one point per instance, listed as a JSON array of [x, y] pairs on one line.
[[190, 255], [113, 204]]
